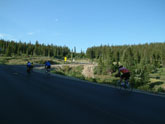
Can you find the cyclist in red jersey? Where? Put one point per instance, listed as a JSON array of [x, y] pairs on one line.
[[125, 73]]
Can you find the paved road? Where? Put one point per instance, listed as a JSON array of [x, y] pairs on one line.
[[35, 99]]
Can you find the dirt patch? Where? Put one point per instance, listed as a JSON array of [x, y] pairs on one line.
[[88, 71]]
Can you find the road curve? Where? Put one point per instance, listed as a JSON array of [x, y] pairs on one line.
[[37, 99]]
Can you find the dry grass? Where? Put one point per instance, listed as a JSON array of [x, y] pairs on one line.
[[23, 60]]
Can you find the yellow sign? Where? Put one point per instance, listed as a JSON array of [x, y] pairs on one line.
[[65, 58]]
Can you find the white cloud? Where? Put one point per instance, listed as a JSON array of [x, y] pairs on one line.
[[30, 33], [7, 36], [2, 35]]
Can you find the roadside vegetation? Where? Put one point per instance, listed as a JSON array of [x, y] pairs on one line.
[[74, 71], [146, 63], [155, 84]]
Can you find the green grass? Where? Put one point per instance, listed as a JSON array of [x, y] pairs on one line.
[[3, 60], [158, 80]]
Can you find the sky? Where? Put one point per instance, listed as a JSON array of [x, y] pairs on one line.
[[83, 23]]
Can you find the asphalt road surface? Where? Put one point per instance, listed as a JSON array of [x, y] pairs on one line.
[[37, 99]]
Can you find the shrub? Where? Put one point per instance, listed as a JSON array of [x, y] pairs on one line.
[[91, 79], [160, 89], [145, 88], [3, 61]]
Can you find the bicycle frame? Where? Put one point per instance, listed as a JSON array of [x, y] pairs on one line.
[[125, 86]]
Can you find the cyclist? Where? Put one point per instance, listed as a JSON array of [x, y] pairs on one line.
[[29, 66], [47, 65], [125, 74]]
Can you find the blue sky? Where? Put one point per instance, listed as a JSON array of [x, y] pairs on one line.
[[83, 23]]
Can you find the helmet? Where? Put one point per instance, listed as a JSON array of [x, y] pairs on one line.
[[120, 66]]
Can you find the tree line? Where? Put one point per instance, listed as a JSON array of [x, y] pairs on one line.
[[11, 48]]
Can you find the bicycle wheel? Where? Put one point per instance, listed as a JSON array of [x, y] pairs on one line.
[[119, 85], [129, 87], [28, 70], [47, 73]]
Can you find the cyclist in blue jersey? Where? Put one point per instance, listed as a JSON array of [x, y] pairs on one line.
[[47, 65], [29, 66]]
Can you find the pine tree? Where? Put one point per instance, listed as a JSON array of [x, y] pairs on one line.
[[8, 51], [144, 75], [163, 56]]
